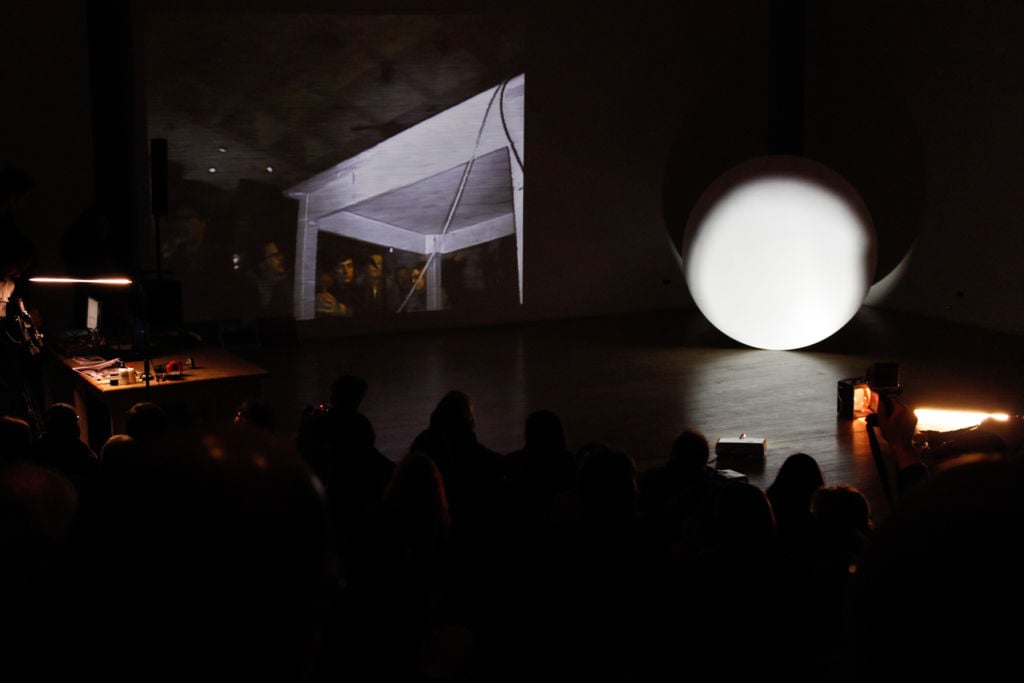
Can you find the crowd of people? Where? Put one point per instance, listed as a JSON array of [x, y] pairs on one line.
[[366, 287], [367, 283], [238, 552]]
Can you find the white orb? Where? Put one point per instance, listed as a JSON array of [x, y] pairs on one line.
[[779, 253]]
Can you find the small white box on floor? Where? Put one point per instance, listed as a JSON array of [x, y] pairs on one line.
[[730, 475], [741, 446]]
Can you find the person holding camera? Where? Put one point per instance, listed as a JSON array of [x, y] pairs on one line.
[[898, 424], [941, 574]]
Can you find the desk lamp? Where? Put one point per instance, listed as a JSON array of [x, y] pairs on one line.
[[147, 375]]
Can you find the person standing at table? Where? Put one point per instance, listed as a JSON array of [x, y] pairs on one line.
[[20, 341]]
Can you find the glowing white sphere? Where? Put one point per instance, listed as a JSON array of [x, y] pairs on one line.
[[779, 253]]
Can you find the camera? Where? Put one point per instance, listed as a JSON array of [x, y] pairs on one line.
[[884, 378], [859, 396], [314, 411]]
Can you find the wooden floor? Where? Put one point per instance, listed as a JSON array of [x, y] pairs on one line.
[[635, 381]]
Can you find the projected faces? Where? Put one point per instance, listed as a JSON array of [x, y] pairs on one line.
[[779, 253], [419, 278], [345, 271], [375, 266]]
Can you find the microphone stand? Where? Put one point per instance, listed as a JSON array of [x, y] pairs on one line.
[[876, 452], [142, 328]]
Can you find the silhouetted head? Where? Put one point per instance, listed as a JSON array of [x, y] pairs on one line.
[[939, 583], [743, 516], [347, 393], [17, 437], [454, 414], [146, 420], [358, 431], [690, 452], [212, 549], [544, 431], [61, 420], [843, 513], [415, 497], [37, 506], [607, 482], [118, 446], [799, 475]]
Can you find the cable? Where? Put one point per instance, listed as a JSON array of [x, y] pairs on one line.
[[504, 125], [883, 470], [458, 194]]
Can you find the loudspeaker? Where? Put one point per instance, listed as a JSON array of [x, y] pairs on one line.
[[158, 175]]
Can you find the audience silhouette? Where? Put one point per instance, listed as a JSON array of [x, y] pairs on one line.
[[677, 499], [60, 447], [790, 494], [472, 472], [540, 476], [145, 423], [319, 426], [209, 557], [231, 551], [18, 438], [938, 585], [596, 628], [938, 581], [744, 555], [38, 509], [339, 444], [402, 619]]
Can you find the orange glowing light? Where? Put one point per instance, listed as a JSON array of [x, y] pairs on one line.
[[943, 420]]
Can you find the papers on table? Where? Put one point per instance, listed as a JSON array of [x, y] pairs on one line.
[[97, 367]]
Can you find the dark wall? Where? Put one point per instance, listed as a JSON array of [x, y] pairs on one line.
[[47, 122], [629, 117], [919, 105]]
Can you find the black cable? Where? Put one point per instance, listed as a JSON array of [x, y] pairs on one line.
[[504, 126], [876, 452], [467, 169]]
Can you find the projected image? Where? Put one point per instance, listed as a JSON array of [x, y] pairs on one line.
[[348, 167], [779, 252], [356, 279], [449, 186]]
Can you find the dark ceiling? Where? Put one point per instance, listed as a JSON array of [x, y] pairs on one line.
[[242, 93]]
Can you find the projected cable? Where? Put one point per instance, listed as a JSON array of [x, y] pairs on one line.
[[456, 199], [504, 127]]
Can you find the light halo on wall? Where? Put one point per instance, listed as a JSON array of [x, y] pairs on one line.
[[779, 252]]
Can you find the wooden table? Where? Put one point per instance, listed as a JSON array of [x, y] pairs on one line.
[[211, 390]]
